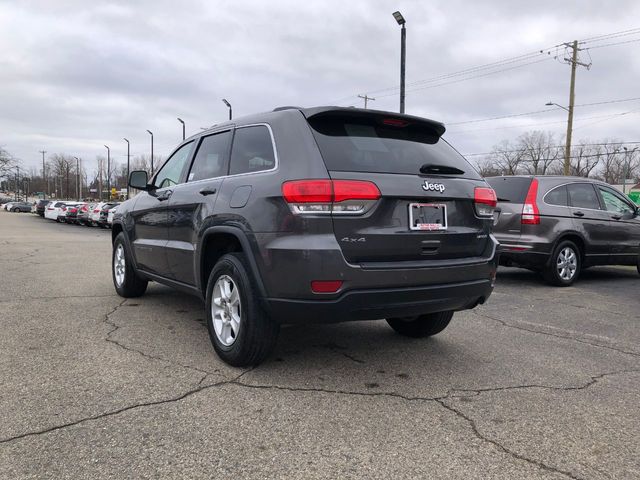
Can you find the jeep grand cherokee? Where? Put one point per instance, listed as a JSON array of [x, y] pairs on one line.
[[299, 215]]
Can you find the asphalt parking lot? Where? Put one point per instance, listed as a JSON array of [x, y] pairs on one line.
[[539, 383]]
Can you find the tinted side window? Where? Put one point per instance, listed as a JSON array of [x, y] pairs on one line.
[[557, 196], [170, 172], [613, 202], [252, 150], [211, 158], [583, 195]]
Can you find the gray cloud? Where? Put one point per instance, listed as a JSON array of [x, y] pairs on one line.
[[77, 75]]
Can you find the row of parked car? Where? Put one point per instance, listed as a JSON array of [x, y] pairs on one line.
[[90, 214]]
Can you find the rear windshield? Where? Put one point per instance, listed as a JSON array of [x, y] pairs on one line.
[[510, 189], [363, 144]]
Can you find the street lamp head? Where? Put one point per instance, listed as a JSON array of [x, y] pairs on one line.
[[126, 140], [549, 104], [399, 18], [150, 132], [106, 147], [226, 102], [180, 120]]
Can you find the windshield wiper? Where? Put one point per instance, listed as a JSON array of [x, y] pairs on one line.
[[435, 169]]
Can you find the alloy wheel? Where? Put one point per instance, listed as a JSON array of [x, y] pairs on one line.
[[226, 310], [119, 265], [567, 263]]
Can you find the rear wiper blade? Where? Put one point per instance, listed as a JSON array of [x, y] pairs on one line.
[[436, 169]]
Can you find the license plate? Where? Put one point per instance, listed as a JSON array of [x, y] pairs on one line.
[[427, 216]]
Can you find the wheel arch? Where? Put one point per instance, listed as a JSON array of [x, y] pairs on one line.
[[574, 237], [219, 240]]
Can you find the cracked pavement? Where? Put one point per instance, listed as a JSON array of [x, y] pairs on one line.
[[539, 383]]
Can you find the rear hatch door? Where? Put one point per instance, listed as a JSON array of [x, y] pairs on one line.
[[426, 210], [511, 193]]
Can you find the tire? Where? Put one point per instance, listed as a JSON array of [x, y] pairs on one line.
[[125, 279], [422, 325], [567, 254], [14, 210], [255, 333]]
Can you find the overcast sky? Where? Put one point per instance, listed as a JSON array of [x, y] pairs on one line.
[[75, 75]]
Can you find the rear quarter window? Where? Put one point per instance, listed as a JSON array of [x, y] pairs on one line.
[[510, 189], [363, 144], [557, 196]]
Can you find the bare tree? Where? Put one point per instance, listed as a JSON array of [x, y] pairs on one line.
[[539, 151], [506, 158]]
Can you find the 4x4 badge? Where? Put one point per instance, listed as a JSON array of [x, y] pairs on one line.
[[431, 187]]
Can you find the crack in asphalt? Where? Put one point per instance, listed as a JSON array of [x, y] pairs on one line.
[[502, 448], [565, 337], [115, 327], [440, 400]]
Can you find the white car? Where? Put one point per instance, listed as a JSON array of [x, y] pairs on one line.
[[94, 215], [53, 210], [110, 216]]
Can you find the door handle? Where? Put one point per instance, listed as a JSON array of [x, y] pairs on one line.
[[165, 195], [207, 191], [578, 214], [616, 217]]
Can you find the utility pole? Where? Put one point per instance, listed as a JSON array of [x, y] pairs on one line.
[[44, 175], [17, 180], [366, 99], [77, 178], [573, 61]]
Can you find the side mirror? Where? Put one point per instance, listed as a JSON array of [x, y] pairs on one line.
[[138, 179]]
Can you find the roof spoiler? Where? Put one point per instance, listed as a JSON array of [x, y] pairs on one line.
[[437, 127]]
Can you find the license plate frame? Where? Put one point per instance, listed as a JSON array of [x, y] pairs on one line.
[[427, 226]]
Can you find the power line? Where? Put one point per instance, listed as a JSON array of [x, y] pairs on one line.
[[551, 146], [522, 60], [539, 111]]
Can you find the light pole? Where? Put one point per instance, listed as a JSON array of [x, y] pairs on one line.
[[44, 175], [403, 55], [229, 106], [108, 173], [77, 178], [151, 133], [182, 122], [128, 165], [567, 146]]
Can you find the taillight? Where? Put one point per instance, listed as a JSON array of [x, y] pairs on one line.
[[485, 201], [345, 197], [530, 212], [96, 210]]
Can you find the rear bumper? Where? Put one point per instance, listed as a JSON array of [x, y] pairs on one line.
[[523, 253], [373, 304]]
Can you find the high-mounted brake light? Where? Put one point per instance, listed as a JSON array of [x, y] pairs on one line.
[[485, 201], [395, 122], [350, 197], [530, 212]]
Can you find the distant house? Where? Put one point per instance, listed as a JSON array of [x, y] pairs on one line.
[[632, 191]]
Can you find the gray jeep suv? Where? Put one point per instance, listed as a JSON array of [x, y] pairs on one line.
[[311, 215], [560, 225]]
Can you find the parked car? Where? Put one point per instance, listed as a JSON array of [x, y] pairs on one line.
[[561, 225], [103, 220], [84, 212], [52, 210], [316, 215], [19, 207], [41, 206], [110, 215], [71, 212]]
